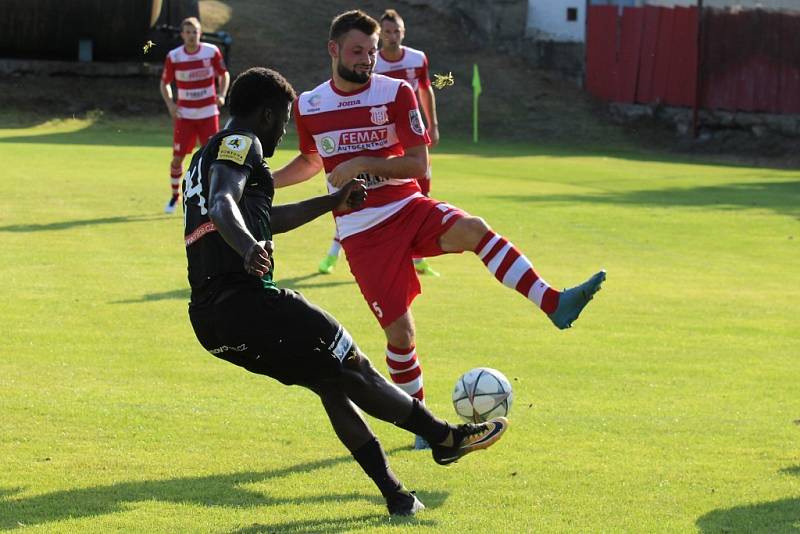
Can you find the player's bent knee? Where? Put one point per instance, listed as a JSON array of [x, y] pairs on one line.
[[465, 234]]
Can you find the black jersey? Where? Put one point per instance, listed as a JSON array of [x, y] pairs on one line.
[[212, 262]]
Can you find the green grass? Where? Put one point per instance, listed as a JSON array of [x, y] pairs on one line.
[[668, 408]]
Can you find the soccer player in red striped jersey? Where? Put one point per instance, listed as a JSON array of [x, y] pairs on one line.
[[365, 125], [201, 78], [396, 60]]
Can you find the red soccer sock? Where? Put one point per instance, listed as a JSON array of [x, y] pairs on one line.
[[405, 371], [175, 174], [514, 270]]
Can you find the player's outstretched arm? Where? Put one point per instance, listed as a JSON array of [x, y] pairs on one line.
[[290, 216], [413, 163], [300, 169]]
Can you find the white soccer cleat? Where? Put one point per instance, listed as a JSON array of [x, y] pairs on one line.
[[170, 207]]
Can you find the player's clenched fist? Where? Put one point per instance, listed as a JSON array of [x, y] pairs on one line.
[[352, 195], [345, 171], [257, 260]]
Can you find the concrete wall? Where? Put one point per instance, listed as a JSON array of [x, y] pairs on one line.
[[547, 20], [505, 25]]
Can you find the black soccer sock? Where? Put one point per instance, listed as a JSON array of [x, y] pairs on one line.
[[372, 460], [423, 423]]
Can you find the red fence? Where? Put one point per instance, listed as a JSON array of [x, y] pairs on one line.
[[750, 60]]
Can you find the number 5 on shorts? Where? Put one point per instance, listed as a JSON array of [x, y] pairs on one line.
[[377, 309]]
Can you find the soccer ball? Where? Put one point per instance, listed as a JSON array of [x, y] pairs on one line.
[[482, 394]]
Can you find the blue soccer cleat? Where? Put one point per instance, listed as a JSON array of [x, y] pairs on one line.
[[573, 300], [420, 444]]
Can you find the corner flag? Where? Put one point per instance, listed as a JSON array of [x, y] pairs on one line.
[[476, 92]]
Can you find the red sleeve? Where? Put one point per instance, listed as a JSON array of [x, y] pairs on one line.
[[304, 138], [219, 63], [168, 75], [407, 119], [424, 78]]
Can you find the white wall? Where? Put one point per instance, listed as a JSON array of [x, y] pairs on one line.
[[547, 20]]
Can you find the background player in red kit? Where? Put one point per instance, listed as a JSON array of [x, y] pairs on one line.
[[362, 125], [396, 60], [194, 67]]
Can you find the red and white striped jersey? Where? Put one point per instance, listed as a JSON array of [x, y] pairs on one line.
[[411, 67], [379, 120], [195, 75]]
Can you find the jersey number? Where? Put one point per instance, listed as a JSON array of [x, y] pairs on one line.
[[194, 190], [377, 309]]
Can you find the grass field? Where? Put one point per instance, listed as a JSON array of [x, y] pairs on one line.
[[670, 406]]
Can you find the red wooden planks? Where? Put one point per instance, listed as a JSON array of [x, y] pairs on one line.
[[630, 45], [683, 60], [663, 55], [648, 58], [601, 52]]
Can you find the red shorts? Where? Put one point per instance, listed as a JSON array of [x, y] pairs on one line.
[[380, 258], [188, 132]]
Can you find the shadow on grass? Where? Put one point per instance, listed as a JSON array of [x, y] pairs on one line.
[[213, 490], [781, 197], [794, 470], [300, 282], [175, 294], [312, 526], [185, 293], [68, 225], [775, 516]]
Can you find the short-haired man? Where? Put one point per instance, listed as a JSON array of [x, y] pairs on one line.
[[360, 124], [241, 316], [397, 60], [201, 79]]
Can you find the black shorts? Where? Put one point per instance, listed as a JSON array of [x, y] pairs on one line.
[[277, 333]]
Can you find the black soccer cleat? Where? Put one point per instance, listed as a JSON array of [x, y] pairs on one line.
[[469, 438], [404, 503]]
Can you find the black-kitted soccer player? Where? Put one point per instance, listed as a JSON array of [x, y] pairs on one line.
[[241, 316]]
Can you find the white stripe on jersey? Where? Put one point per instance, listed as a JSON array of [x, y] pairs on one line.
[[198, 113], [196, 94], [358, 221], [206, 51], [382, 90], [412, 59]]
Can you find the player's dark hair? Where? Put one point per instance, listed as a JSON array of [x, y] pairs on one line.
[[392, 16], [257, 87], [352, 20]]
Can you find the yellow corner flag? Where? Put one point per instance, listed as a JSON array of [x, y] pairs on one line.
[[476, 92]]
